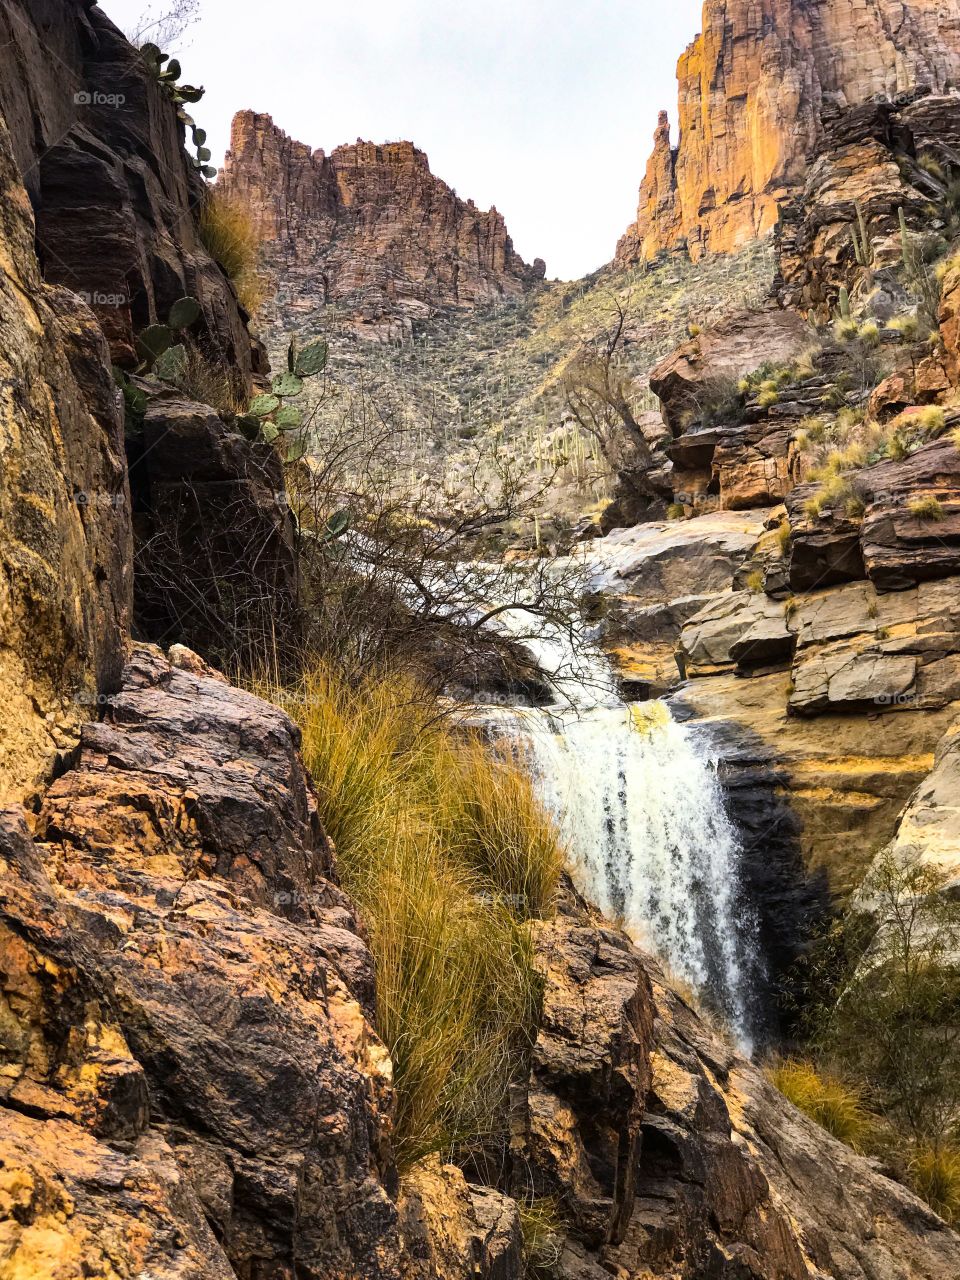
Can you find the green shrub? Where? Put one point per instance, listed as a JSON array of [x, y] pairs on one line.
[[832, 1102], [446, 853]]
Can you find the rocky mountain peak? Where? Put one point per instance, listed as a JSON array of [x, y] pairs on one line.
[[757, 88], [369, 226]]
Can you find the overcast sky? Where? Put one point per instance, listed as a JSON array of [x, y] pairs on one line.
[[545, 108]]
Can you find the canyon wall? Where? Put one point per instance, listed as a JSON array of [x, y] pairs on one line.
[[755, 89], [369, 227]]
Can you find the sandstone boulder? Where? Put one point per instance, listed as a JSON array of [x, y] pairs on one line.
[[824, 549], [743, 630], [903, 543], [860, 650], [685, 380]]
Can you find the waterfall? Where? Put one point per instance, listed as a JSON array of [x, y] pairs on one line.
[[638, 801]]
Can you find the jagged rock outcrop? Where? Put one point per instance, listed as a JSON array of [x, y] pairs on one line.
[[101, 151], [180, 973], [754, 88], [866, 166], [65, 536], [892, 544], [367, 226]]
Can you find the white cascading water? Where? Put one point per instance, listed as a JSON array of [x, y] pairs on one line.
[[642, 812]]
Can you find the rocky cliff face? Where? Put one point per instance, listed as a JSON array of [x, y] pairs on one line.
[[369, 227], [101, 154], [755, 88], [65, 533]]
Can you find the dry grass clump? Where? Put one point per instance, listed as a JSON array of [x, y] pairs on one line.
[[232, 239], [447, 854], [839, 449], [834, 1103], [541, 1229], [210, 382], [935, 1177], [928, 508], [502, 831]]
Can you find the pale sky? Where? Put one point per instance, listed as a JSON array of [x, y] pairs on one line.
[[545, 108]]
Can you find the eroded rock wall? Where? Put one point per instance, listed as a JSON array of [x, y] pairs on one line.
[[65, 533], [368, 226], [753, 90], [102, 156]]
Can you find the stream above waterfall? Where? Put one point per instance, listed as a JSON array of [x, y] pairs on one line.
[[642, 813]]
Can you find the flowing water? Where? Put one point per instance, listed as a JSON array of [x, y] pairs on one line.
[[641, 808]]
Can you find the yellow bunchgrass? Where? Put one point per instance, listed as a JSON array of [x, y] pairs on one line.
[[935, 1177], [927, 508], [541, 1230], [231, 237], [445, 850], [831, 1101]]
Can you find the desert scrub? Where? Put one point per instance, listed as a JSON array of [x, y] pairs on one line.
[[447, 855], [935, 1177], [831, 1101], [929, 508], [231, 237], [755, 582]]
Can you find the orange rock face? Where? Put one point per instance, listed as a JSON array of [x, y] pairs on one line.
[[369, 225], [752, 91]]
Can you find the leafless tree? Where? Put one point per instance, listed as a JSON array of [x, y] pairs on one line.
[[420, 577], [165, 25], [599, 395]]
